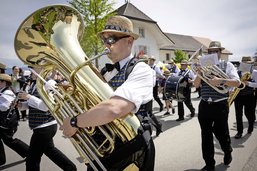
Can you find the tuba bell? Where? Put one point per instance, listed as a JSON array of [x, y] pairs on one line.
[[49, 38]]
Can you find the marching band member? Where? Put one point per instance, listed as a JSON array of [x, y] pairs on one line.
[[44, 128], [159, 76], [214, 109], [7, 131], [245, 100], [168, 101], [18, 80], [155, 122], [129, 96], [172, 67], [188, 77]]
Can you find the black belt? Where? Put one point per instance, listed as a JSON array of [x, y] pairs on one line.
[[215, 102]]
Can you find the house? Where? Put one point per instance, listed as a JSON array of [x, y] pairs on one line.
[[151, 37], [154, 41]]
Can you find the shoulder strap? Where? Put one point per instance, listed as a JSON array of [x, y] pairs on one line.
[[6, 88], [132, 63]]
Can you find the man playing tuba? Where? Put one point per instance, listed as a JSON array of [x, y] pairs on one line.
[[129, 96], [213, 110]]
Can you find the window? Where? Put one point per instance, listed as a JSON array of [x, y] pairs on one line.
[[167, 56], [141, 32], [143, 49]]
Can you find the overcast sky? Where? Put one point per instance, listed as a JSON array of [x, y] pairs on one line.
[[233, 22]]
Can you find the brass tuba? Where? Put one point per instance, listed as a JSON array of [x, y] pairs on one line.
[[208, 72], [49, 38]]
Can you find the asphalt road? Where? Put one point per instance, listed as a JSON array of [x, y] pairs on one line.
[[178, 148]]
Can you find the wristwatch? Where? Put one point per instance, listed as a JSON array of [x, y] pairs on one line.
[[223, 82], [73, 122]]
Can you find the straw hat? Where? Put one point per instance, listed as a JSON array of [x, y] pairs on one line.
[[184, 62], [166, 73], [144, 58], [171, 61], [119, 24], [152, 57], [247, 60], [6, 77], [215, 45], [2, 66]]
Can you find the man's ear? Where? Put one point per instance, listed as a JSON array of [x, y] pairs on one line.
[[130, 40]]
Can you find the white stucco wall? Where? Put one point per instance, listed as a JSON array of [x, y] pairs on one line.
[[149, 41]]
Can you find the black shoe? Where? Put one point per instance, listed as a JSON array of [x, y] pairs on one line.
[[250, 129], [192, 113], [166, 114], [208, 168], [227, 158], [180, 119], [238, 135], [158, 131], [173, 110]]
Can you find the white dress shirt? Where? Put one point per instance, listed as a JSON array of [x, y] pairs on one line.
[[138, 88], [6, 99], [39, 104]]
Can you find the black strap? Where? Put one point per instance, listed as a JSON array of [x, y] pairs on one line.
[[132, 63], [6, 88]]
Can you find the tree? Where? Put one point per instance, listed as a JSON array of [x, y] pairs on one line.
[[95, 14], [179, 56]]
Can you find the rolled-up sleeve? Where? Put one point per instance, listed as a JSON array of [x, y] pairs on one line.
[[232, 71], [6, 99], [138, 88], [37, 103]]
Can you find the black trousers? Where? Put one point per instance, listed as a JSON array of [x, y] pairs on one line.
[[213, 119], [244, 103], [156, 96], [42, 143], [6, 137], [187, 102]]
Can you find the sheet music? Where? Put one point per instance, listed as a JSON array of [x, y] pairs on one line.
[[209, 60], [245, 67]]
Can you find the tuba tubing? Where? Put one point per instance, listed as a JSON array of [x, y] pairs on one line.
[[49, 38]]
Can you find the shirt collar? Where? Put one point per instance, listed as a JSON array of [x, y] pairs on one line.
[[125, 60]]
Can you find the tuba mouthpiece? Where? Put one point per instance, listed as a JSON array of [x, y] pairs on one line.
[[106, 51]]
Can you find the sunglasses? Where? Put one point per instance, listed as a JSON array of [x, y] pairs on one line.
[[213, 51], [112, 39]]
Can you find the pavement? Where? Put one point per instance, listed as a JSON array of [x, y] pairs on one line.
[[178, 148]]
